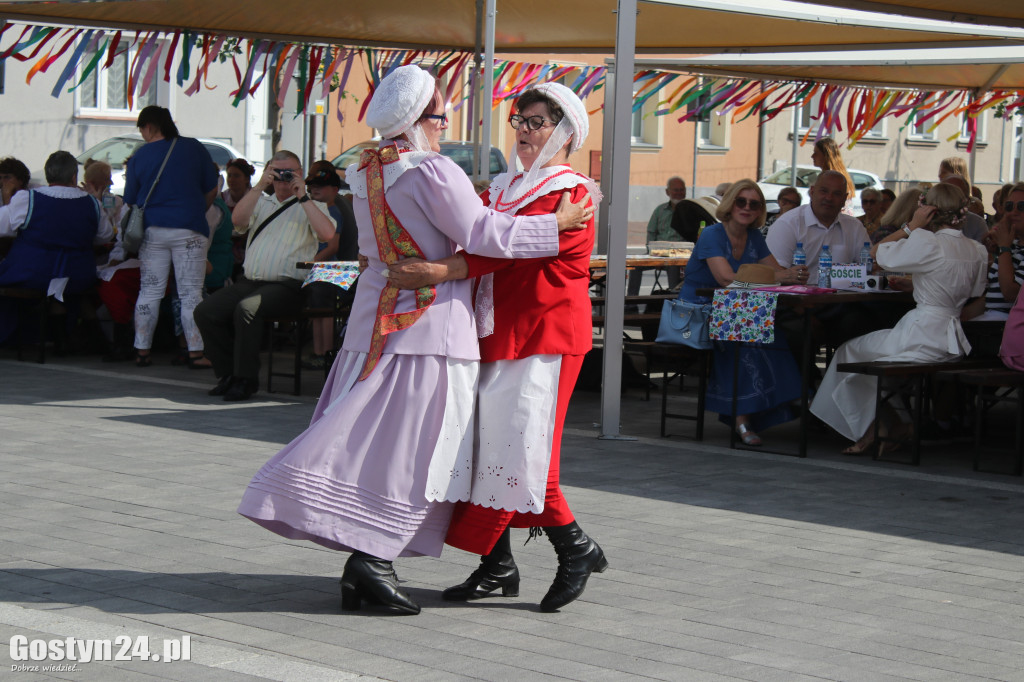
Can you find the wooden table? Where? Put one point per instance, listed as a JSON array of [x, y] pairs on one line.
[[601, 262], [808, 303]]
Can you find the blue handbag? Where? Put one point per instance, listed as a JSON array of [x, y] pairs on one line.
[[685, 323]]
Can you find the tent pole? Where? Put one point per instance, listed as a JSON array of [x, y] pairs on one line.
[[472, 106], [696, 146], [487, 97], [607, 141], [618, 219], [796, 135]]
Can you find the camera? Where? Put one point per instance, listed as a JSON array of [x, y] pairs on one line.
[[284, 175]]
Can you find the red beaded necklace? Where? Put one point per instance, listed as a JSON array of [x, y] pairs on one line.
[[504, 207]]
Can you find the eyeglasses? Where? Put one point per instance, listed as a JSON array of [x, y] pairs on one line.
[[1009, 205], [443, 118], [868, 202], [753, 204], [785, 200], [531, 122]]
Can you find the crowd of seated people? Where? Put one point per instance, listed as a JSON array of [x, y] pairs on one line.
[[65, 243]]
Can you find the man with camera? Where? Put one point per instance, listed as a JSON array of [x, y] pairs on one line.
[[283, 227]]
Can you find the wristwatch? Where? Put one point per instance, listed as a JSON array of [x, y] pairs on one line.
[[906, 228], [1005, 249], [304, 199]]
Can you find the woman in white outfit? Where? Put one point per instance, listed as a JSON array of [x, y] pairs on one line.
[[947, 269]]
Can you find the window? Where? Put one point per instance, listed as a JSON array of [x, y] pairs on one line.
[[645, 129], [105, 91], [712, 129], [918, 130], [965, 134], [808, 113]]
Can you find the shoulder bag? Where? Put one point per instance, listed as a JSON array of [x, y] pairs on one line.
[[685, 323], [133, 226]]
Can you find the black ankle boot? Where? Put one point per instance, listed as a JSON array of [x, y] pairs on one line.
[[496, 569], [578, 557], [368, 578]]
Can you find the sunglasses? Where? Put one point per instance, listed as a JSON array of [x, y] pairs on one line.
[[785, 200], [1009, 205], [752, 204], [531, 122]]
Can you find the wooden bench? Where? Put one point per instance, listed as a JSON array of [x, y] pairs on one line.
[[996, 378], [31, 307], [919, 374], [678, 361]]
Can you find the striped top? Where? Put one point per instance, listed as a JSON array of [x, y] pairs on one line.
[[993, 296], [287, 240]]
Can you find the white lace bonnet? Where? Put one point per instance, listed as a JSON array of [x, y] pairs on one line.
[[573, 108], [399, 100]]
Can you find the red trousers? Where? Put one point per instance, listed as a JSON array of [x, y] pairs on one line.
[[476, 529], [119, 294]]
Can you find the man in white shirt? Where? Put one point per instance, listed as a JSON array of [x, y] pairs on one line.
[[819, 222], [822, 222], [284, 228]]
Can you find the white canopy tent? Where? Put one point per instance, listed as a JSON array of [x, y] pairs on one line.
[[574, 26]]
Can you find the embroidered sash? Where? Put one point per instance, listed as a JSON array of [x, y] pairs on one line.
[[393, 242]]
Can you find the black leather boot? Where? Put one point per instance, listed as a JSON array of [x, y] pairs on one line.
[[578, 557], [368, 578], [496, 569]]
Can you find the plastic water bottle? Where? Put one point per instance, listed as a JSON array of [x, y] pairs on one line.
[[825, 266], [865, 258], [799, 256]]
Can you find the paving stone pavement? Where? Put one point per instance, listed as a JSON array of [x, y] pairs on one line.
[[119, 495]]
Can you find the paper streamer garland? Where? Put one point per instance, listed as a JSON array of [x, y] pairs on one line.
[[314, 67]]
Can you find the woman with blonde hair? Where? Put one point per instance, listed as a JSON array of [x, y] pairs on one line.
[[769, 378], [954, 165], [947, 269], [900, 213], [826, 156]]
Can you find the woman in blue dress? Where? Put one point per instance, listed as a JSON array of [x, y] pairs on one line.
[[769, 379]]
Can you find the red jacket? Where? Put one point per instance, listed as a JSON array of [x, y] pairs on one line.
[[541, 305]]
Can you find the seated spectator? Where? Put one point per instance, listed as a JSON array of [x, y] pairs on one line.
[[974, 226], [998, 197], [898, 215], [118, 289], [788, 199], [98, 179], [886, 198], [815, 224], [56, 228], [871, 201], [284, 228], [659, 228], [239, 173], [323, 184], [769, 379], [1012, 349], [947, 268], [1006, 273], [14, 177]]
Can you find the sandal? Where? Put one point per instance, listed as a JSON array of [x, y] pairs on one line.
[[896, 440], [858, 448], [142, 360], [198, 362], [748, 435]]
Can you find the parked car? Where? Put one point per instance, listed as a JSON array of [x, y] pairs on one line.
[[459, 151], [116, 151], [805, 177]]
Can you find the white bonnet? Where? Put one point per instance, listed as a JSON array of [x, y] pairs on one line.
[[574, 110], [399, 100]]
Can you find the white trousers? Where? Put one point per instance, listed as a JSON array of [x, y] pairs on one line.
[[161, 247]]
